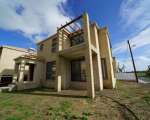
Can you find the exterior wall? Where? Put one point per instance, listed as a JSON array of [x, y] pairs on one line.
[[7, 62], [105, 52], [49, 56], [37, 76]]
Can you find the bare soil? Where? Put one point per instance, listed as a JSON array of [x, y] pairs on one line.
[[46, 104]]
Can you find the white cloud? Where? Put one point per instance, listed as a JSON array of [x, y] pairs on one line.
[[135, 22], [135, 14], [35, 19], [144, 59], [135, 17]]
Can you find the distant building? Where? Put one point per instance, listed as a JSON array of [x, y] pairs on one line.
[[148, 71], [7, 55]]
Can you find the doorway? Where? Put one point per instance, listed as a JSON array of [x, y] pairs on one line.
[[78, 70]]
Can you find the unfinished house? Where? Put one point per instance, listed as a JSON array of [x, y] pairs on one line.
[[7, 55], [81, 59]]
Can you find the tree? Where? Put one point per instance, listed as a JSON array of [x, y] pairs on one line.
[[121, 69]]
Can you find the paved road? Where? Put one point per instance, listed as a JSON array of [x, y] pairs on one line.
[[144, 80]]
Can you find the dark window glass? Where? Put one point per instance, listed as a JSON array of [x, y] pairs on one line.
[[51, 70], [42, 47], [54, 44], [104, 69], [54, 50], [78, 39], [78, 71], [54, 39]]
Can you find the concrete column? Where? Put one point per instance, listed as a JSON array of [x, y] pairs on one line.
[[58, 62], [21, 74], [88, 57], [28, 79], [98, 77], [15, 75]]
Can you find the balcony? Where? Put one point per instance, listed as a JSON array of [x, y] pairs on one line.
[[73, 52]]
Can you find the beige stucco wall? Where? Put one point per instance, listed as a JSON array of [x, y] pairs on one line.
[[49, 56], [7, 62], [105, 51], [37, 75]]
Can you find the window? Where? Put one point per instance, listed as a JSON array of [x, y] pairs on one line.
[[41, 48], [104, 69], [54, 50], [55, 39], [51, 70], [78, 39], [54, 44], [78, 70]]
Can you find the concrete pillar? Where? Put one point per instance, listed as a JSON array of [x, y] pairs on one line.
[[105, 51], [15, 75], [28, 79], [58, 61], [98, 77], [21, 74], [88, 57]]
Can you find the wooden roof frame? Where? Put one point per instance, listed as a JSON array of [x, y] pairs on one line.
[[66, 31]]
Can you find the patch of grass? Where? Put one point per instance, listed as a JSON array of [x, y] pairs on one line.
[[7, 103], [27, 113], [107, 115], [16, 118], [119, 82], [88, 113], [59, 113], [89, 101], [75, 116], [8, 112], [39, 116], [68, 115], [26, 92], [65, 105], [141, 74], [85, 118], [50, 113], [52, 108]]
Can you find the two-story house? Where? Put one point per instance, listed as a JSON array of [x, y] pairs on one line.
[[79, 60]]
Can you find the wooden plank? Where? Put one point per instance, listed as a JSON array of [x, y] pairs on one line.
[[80, 19], [72, 21], [66, 29], [76, 24]]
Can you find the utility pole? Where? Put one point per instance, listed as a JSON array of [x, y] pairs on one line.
[[133, 62]]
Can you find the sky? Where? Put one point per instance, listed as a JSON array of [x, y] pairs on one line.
[[24, 23]]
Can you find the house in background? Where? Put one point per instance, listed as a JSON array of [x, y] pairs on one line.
[[7, 55], [77, 60], [148, 71]]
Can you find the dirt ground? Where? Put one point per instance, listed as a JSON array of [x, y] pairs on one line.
[[46, 104]]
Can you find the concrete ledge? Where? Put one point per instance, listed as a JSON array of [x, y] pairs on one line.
[[28, 82]]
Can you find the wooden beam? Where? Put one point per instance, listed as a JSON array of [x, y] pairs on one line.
[[80, 19], [64, 32], [71, 27], [72, 21], [66, 29], [76, 24]]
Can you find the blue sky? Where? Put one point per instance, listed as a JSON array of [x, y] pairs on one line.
[[23, 23]]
